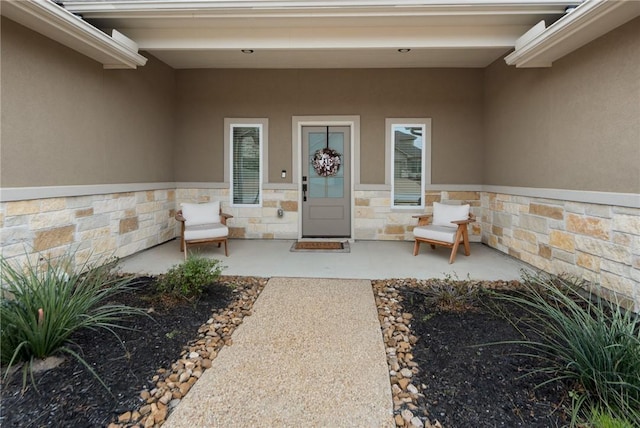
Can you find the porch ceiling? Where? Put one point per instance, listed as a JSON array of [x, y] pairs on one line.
[[322, 33]]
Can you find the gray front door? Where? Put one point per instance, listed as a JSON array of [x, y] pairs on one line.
[[326, 201]]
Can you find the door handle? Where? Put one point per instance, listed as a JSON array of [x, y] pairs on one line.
[[304, 192]]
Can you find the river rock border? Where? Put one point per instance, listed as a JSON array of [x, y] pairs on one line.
[[175, 382]]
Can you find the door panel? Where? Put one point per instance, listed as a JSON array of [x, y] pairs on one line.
[[326, 212]]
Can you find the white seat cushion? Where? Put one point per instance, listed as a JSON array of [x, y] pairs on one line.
[[436, 233], [195, 214], [444, 214], [205, 231]]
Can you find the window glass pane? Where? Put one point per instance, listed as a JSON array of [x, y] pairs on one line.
[[246, 165], [408, 147], [325, 187]]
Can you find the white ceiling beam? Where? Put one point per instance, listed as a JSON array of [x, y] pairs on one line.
[[325, 38], [50, 20]]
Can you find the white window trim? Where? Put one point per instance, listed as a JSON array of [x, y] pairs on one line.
[[263, 125], [426, 156]]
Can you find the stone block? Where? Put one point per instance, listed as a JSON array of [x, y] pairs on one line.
[[588, 261], [269, 204], [362, 202], [394, 229], [562, 240], [128, 225], [22, 207], [554, 212], [49, 219], [464, 196], [590, 226], [93, 222], [84, 212], [52, 204], [503, 220], [496, 230], [237, 232], [52, 238], [617, 283], [380, 202], [429, 199], [620, 269], [365, 212], [19, 234], [533, 223], [289, 205], [626, 223], [525, 235], [544, 251], [363, 233]]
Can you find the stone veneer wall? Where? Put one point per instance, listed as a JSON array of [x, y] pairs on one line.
[[599, 243], [105, 225], [254, 222], [375, 220]]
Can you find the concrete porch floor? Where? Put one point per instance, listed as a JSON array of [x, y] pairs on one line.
[[366, 260]]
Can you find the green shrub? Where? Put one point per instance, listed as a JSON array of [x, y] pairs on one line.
[[43, 303], [579, 338], [188, 279]]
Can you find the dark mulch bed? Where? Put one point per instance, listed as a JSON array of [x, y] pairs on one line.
[[70, 396], [471, 384]]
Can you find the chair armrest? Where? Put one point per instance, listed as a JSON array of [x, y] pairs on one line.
[[179, 216], [423, 219], [224, 217], [471, 219]]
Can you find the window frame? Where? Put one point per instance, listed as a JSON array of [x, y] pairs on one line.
[[262, 126], [390, 125]]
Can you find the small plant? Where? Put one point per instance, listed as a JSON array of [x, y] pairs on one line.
[[43, 303], [450, 294], [583, 340], [188, 279], [602, 419]]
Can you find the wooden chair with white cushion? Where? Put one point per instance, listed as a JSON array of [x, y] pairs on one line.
[[448, 228], [203, 224]]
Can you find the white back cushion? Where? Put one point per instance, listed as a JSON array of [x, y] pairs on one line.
[[195, 214], [444, 214]]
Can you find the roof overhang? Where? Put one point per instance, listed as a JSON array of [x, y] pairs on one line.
[[53, 21], [322, 33], [542, 45]]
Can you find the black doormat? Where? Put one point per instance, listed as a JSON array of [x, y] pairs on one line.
[[320, 246]]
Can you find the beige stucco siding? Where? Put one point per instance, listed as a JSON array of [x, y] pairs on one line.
[[67, 121], [453, 98], [575, 125]]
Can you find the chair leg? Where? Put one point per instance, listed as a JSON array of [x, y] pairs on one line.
[[416, 247], [465, 238], [456, 243]]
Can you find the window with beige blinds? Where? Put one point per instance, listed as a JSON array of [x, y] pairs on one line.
[[246, 164]]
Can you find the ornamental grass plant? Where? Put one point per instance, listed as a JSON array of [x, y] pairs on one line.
[[43, 303], [585, 341]]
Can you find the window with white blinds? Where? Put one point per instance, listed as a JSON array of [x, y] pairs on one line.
[[246, 164], [409, 146]]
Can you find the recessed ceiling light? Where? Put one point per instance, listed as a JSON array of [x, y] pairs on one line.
[[404, 50]]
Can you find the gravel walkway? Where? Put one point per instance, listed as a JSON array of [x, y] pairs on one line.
[[310, 355]]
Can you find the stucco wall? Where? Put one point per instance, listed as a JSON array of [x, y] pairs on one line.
[[453, 98], [67, 121], [572, 126]]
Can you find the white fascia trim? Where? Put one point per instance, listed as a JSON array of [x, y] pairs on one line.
[[210, 8], [51, 20], [587, 22]]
